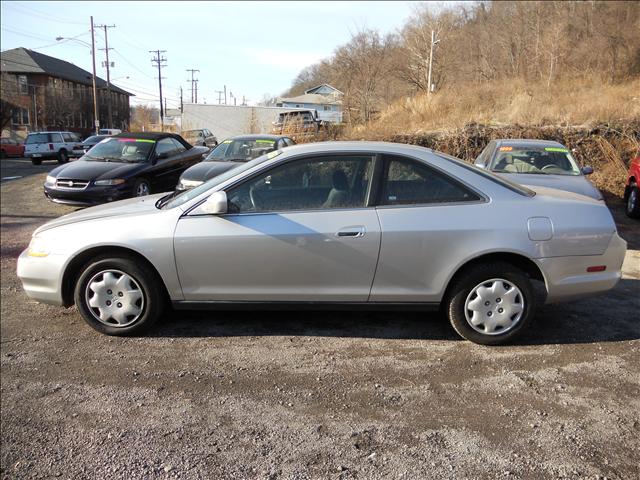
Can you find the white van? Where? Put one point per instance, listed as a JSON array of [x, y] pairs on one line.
[[109, 131]]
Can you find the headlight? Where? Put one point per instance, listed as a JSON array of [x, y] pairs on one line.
[[50, 180], [113, 181], [190, 183], [38, 248]]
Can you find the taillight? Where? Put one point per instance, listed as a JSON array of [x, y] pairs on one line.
[[51, 146], [596, 268]]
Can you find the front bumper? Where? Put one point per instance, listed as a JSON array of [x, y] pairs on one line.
[[567, 278], [91, 195], [41, 277]]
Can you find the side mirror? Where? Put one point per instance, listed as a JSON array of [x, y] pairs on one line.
[[480, 165], [216, 204], [586, 170], [162, 156]]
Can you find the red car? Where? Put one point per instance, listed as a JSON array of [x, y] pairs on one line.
[[10, 147], [632, 190]]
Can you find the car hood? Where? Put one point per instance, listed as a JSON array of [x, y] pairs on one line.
[[577, 184], [207, 170], [130, 206], [93, 170]]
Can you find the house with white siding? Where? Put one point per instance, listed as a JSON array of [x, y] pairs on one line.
[[325, 99]]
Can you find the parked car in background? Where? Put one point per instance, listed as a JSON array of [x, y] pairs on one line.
[[109, 131], [202, 137], [297, 123], [92, 141], [60, 146], [11, 148], [229, 154], [123, 166], [632, 190], [326, 224], [537, 162]]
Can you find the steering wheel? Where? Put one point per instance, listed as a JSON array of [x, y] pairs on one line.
[[551, 167]]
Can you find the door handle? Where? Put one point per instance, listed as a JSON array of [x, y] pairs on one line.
[[352, 232]]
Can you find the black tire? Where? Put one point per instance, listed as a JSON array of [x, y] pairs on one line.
[[36, 162], [139, 187], [153, 297], [632, 202], [472, 278], [63, 156]]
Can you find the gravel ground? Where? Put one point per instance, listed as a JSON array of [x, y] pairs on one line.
[[332, 395]]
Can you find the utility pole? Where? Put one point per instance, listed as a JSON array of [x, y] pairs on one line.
[[181, 104], [160, 62], [225, 94], [194, 84], [107, 64], [165, 104], [96, 122], [219, 92], [433, 43]]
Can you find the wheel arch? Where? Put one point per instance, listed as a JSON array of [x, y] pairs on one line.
[[73, 268], [518, 260]]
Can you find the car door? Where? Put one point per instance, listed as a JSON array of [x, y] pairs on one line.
[[425, 215], [301, 231], [165, 166]]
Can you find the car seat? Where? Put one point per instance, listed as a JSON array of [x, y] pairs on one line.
[[339, 194]]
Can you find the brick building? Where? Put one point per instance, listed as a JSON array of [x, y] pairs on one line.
[[40, 92]]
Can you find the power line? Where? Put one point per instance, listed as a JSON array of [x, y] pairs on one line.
[[31, 12]]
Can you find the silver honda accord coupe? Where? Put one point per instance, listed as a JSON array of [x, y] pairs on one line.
[[332, 224]]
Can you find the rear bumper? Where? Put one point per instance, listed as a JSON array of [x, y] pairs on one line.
[[567, 277], [41, 277]]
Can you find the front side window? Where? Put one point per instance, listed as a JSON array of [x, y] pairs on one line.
[[311, 184], [165, 146], [241, 150], [407, 182]]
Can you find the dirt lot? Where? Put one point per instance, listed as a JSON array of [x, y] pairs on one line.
[[314, 395]]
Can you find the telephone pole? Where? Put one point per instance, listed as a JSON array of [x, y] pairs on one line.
[[160, 62], [194, 85], [96, 122], [107, 64], [219, 92], [181, 104], [434, 42]]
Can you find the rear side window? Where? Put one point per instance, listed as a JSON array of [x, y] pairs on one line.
[[68, 137], [407, 182]]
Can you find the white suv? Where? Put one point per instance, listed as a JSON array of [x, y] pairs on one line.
[[52, 145]]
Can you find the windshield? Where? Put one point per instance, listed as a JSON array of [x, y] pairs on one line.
[[127, 150], [240, 150], [177, 198], [534, 160]]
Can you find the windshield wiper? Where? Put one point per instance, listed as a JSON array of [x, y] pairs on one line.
[[164, 200]]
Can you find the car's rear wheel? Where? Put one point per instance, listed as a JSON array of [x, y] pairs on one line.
[[119, 296], [36, 162], [63, 156], [141, 188], [633, 202], [491, 304]]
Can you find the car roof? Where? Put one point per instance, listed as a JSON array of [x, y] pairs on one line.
[[512, 142], [358, 146], [258, 136], [148, 135]]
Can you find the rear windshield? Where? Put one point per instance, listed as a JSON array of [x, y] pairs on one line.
[[38, 138], [514, 187]]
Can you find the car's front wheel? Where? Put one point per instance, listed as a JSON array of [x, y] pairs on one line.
[[63, 156], [141, 188], [633, 202], [491, 303], [119, 296]]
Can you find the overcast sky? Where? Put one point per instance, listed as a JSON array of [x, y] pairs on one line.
[[251, 47]]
